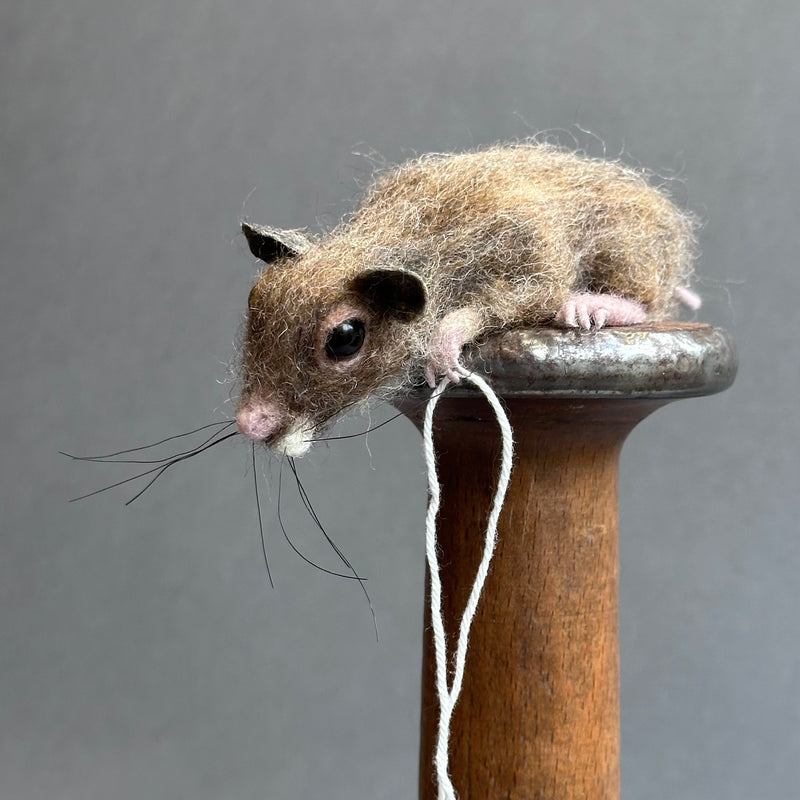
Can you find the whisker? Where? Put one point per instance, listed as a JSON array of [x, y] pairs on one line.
[[260, 521], [110, 460], [292, 544], [360, 433], [159, 470], [148, 446], [373, 427], [174, 461], [307, 503], [310, 509], [114, 485]]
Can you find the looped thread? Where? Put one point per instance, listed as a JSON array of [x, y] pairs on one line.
[[448, 696]]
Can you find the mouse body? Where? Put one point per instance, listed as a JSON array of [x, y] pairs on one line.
[[442, 250]]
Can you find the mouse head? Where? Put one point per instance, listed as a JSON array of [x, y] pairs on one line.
[[323, 333]]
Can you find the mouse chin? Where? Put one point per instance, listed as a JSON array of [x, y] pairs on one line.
[[297, 442]]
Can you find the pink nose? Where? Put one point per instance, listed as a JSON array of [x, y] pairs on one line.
[[258, 420]]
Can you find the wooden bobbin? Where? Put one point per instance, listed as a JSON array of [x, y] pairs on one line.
[[538, 717]]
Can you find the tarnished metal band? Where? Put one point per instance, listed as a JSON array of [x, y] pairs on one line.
[[645, 361]]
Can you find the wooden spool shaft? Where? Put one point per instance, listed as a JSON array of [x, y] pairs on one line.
[[538, 716]]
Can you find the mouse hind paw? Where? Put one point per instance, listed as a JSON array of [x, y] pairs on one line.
[[587, 310]]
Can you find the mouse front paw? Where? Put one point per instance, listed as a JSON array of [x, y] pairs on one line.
[[449, 337], [445, 359], [588, 310], [450, 368]]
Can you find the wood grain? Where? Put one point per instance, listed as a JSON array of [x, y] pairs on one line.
[[538, 718]]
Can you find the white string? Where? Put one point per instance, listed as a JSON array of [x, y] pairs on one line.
[[449, 695]]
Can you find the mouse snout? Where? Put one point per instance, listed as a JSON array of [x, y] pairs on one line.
[[258, 419]]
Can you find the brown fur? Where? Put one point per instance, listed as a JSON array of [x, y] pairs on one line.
[[508, 233]]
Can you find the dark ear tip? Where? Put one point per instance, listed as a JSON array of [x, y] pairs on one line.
[[269, 244], [255, 240], [250, 232], [253, 233]]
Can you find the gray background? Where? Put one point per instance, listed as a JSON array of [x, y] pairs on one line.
[[142, 653]]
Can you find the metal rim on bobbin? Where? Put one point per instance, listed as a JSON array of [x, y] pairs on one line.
[[665, 361]]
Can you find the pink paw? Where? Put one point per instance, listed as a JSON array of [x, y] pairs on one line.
[[447, 362], [449, 336], [588, 310], [454, 374]]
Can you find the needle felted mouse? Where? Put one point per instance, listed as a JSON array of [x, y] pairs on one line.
[[442, 250]]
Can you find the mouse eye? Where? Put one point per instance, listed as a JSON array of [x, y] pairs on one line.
[[345, 339]]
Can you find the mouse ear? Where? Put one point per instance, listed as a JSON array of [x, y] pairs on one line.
[[395, 292], [269, 244]]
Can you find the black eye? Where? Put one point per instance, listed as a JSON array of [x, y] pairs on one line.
[[345, 339]]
